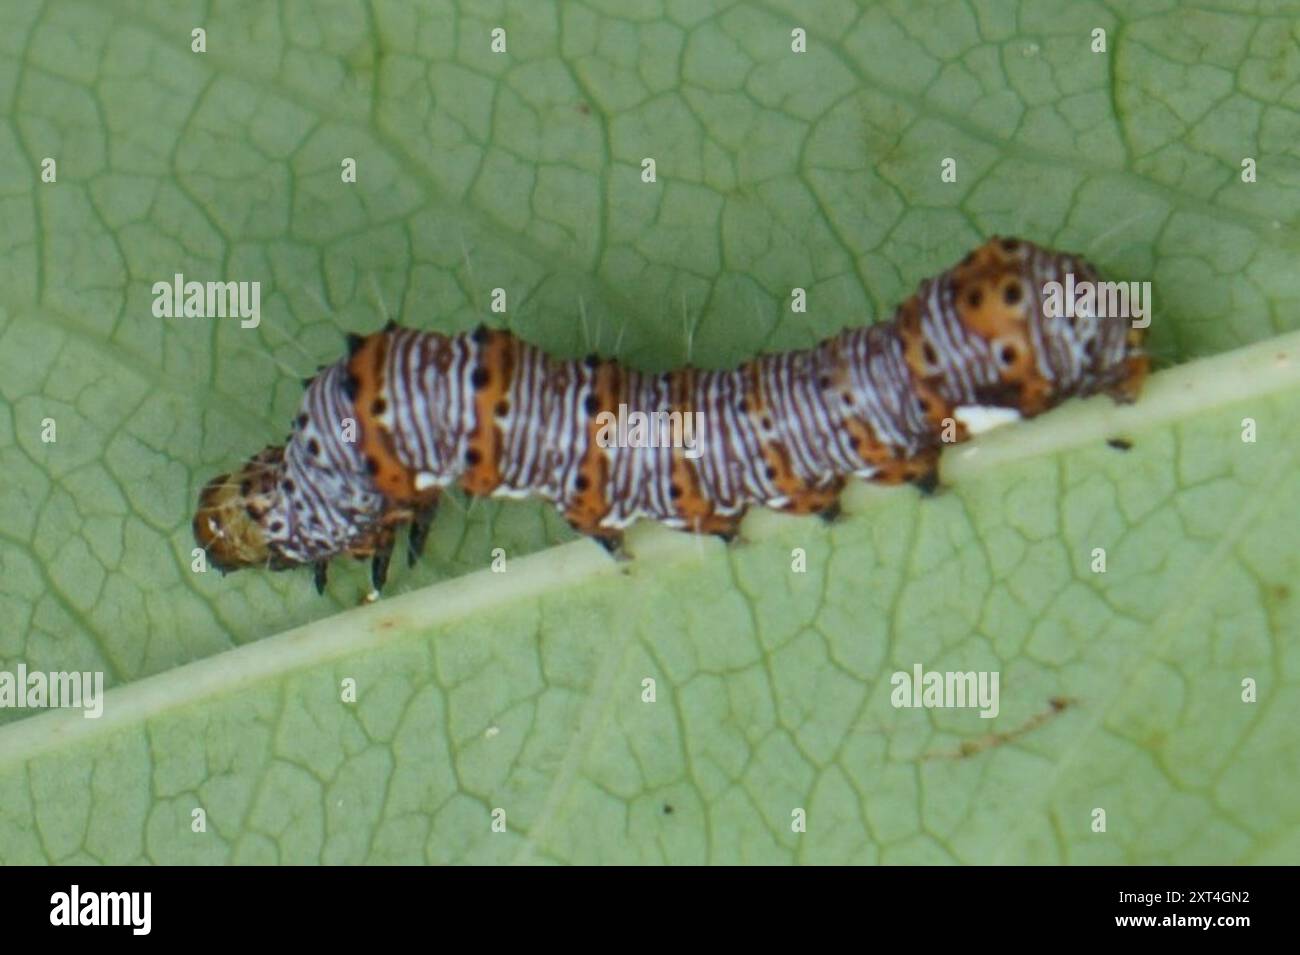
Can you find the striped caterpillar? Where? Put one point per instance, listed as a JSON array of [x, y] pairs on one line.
[[380, 433]]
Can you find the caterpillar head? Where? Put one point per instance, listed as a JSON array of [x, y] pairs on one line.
[[1088, 333], [228, 522], [1048, 326]]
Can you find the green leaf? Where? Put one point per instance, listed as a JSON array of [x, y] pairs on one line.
[[523, 691]]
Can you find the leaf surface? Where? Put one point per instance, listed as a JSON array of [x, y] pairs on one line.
[[523, 691]]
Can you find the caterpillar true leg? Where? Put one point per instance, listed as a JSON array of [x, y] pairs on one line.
[[831, 512], [379, 563], [613, 543], [927, 483], [421, 522]]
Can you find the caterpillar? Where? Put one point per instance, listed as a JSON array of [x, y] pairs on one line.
[[383, 431]]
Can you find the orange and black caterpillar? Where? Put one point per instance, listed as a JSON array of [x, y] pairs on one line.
[[380, 433]]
